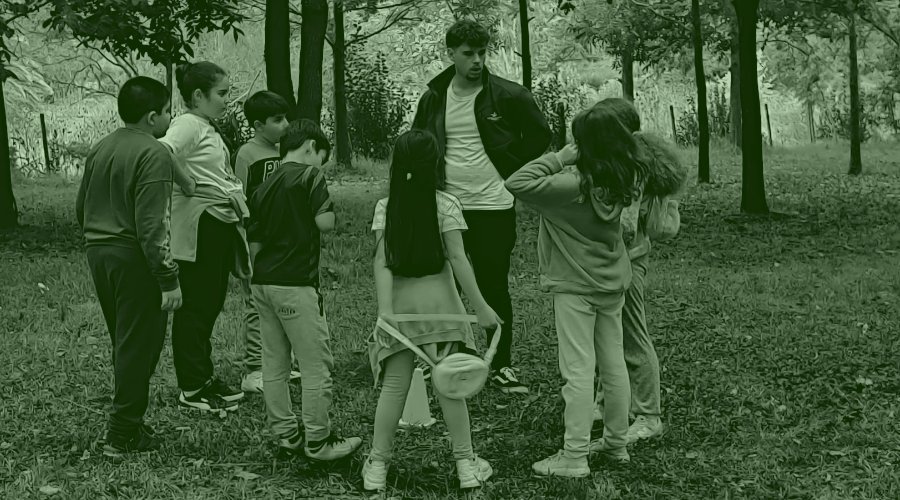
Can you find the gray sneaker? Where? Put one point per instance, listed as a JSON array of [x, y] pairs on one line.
[[332, 448]]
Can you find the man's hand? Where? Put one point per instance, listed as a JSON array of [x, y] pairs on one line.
[[171, 300]]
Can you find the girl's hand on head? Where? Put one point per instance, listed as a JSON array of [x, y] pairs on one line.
[[568, 154]]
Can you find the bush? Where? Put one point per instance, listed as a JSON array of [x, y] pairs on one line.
[[375, 104], [549, 92], [834, 119]]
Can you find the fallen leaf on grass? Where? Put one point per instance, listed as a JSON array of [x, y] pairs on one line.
[[837, 453], [85, 455], [49, 490], [249, 476], [691, 455], [5, 446]]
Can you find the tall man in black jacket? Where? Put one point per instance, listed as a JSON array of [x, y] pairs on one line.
[[489, 127]]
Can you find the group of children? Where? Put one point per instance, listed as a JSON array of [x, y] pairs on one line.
[[264, 222]]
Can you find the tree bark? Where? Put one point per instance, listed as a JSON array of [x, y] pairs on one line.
[[277, 52], [628, 72], [9, 213], [343, 155], [855, 111], [702, 108], [170, 86], [753, 187], [736, 133], [526, 44], [312, 44]]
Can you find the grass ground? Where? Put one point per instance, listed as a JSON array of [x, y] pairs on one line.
[[777, 337]]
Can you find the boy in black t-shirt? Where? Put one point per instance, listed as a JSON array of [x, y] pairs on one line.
[[290, 211]]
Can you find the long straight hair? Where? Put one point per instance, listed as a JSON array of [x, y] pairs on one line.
[[412, 239], [609, 158]]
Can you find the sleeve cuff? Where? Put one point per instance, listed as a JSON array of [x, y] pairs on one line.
[[168, 283]]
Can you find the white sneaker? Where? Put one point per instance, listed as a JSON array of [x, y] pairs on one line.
[[620, 455], [562, 466], [644, 427], [473, 471], [332, 448], [252, 382], [374, 474]]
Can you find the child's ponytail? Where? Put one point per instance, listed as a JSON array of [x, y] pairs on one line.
[[202, 76]]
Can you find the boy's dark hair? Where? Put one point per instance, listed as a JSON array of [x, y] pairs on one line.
[[139, 96], [413, 246], [202, 75], [299, 132], [469, 32], [263, 105]]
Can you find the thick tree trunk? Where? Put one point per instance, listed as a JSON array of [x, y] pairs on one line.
[[736, 130], [312, 43], [702, 108], [526, 44], [9, 213], [753, 187], [341, 125], [628, 72], [855, 111], [277, 52]]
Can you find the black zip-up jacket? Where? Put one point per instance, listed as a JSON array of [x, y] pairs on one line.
[[512, 127]]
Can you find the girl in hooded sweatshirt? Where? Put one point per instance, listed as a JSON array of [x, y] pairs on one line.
[[580, 193], [654, 217]]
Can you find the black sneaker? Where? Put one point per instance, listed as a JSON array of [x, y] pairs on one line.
[[505, 379], [206, 400], [291, 445], [224, 391], [143, 440]]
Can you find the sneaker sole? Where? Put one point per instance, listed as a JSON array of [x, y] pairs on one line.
[[570, 474], [205, 407], [233, 398], [341, 457]]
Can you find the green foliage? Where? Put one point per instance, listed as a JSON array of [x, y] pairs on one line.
[[161, 30], [550, 91], [234, 128], [834, 118], [376, 105]]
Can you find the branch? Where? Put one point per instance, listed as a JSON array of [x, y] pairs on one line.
[[883, 29], [775, 40], [657, 13], [402, 3], [390, 22], [34, 7]]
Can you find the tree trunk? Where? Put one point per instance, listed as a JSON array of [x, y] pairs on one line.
[[312, 43], [526, 44], [341, 125], [811, 119], [170, 86], [855, 112], [9, 213], [702, 108], [627, 60], [736, 133], [277, 52], [753, 186]]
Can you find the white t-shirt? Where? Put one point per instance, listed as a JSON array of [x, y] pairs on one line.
[[201, 149], [471, 176], [450, 216]]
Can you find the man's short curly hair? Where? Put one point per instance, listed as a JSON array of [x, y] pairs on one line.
[[467, 31]]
